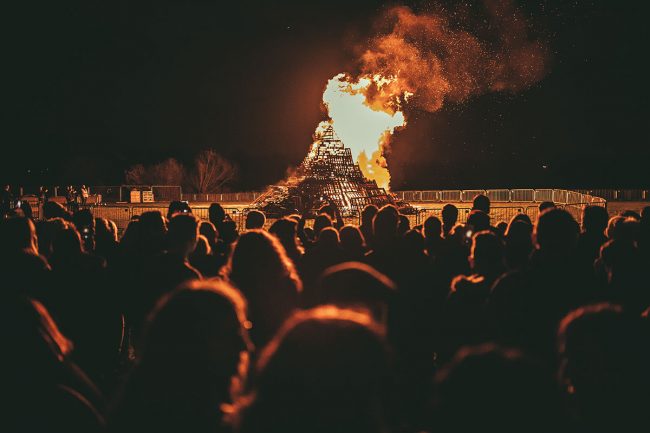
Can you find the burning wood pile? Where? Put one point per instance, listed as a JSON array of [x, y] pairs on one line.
[[327, 175]]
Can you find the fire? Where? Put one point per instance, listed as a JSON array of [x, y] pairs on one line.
[[363, 127]]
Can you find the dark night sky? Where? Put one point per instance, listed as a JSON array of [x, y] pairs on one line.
[[94, 87]]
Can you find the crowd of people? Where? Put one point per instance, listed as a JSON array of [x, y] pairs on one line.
[[183, 325]]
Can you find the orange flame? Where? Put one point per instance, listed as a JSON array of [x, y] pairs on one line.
[[365, 128]]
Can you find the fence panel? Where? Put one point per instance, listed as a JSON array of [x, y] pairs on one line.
[[499, 195], [560, 196], [469, 194], [522, 195], [432, 196], [543, 195], [450, 195]]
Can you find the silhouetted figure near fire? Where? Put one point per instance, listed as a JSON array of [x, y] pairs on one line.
[[168, 269], [194, 341], [449, 218], [481, 202], [487, 388], [594, 223], [384, 254], [434, 242], [353, 246], [604, 368], [329, 387], [255, 220], [44, 389], [519, 243], [465, 318], [528, 304], [326, 252], [367, 215], [286, 230], [261, 270]]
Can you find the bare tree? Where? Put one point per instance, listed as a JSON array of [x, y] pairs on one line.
[[211, 172], [167, 172]]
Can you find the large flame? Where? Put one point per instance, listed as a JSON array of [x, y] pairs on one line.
[[364, 128]]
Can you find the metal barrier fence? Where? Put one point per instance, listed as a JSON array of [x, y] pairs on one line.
[[558, 196]]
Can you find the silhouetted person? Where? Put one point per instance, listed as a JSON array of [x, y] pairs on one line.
[[217, 216], [168, 269], [367, 215], [545, 205], [449, 218], [434, 242], [481, 202], [203, 259], [383, 256], [357, 286], [594, 223], [106, 243], [194, 341], [528, 304], [622, 275], [487, 388], [322, 221], [604, 368], [478, 220], [177, 207], [324, 372], [353, 246], [403, 226], [52, 209], [519, 243], [326, 252], [23, 270], [255, 220], [286, 230], [44, 391], [464, 317], [261, 270]]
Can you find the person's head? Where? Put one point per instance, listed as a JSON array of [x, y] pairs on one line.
[[556, 231], [449, 216], [351, 239], [486, 253], [255, 220], [481, 202], [17, 234], [594, 219], [104, 234], [486, 388], [403, 225], [631, 214], [328, 210], [202, 248], [85, 223], [623, 228], [328, 239], [207, 229], [478, 220], [182, 234], [357, 286], [501, 228], [385, 224], [216, 214], [368, 213], [52, 209], [66, 242], [228, 231], [328, 366], [261, 269], [412, 244], [519, 232], [545, 205], [286, 229], [195, 338], [322, 221], [603, 363], [432, 228], [177, 208], [521, 217]]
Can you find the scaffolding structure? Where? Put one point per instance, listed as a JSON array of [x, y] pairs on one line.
[[327, 175]]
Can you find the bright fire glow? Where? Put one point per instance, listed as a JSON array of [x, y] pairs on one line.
[[362, 127]]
